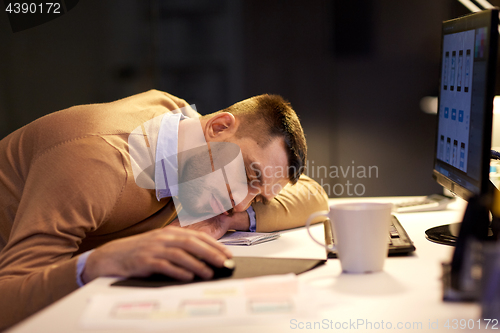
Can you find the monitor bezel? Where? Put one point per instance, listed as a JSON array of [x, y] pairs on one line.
[[489, 19]]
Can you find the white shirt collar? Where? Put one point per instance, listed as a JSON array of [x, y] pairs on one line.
[[166, 155]]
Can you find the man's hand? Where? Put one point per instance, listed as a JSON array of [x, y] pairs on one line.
[[218, 225], [171, 251]]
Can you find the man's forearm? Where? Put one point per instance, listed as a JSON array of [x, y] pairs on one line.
[[21, 296], [240, 221]]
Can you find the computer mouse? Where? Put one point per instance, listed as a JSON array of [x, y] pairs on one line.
[[160, 280], [225, 271]]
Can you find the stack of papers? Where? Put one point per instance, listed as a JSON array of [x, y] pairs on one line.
[[248, 238]]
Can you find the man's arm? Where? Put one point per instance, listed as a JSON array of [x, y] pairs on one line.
[[171, 251], [289, 209], [70, 191], [37, 266], [218, 225], [292, 206]]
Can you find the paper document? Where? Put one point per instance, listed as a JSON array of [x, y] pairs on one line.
[[248, 238], [242, 302]]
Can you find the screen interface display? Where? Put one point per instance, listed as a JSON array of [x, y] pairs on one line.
[[462, 102]]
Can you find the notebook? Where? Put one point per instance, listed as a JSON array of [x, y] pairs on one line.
[[248, 238], [246, 267]]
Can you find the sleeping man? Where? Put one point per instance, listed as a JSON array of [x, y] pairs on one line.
[[142, 185]]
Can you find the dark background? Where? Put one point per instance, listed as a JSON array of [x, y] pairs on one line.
[[355, 71]]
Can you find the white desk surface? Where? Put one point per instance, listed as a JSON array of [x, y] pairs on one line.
[[407, 291]]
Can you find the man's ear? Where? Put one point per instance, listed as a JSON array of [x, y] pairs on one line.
[[220, 126]]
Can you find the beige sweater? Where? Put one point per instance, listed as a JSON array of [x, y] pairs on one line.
[[66, 186]]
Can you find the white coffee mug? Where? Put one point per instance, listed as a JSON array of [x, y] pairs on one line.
[[360, 232]]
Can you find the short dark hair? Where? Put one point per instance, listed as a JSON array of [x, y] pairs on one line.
[[276, 118]]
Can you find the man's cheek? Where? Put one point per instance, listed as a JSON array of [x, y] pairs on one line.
[[253, 187]]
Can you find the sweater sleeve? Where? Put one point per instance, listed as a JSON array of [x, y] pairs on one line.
[[69, 190], [292, 206]]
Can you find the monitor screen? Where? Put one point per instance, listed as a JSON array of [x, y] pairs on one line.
[[466, 92]]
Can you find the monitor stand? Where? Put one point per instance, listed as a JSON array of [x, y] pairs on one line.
[[482, 224], [444, 234], [448, 234]]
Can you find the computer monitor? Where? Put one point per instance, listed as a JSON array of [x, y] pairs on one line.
[[465, 109]]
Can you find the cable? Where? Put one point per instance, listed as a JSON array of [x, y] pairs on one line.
[[495, 155]]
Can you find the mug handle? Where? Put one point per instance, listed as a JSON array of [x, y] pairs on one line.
[[308, 224]]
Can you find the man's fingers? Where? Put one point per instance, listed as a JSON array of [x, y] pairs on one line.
[[203, 237], [194, 246], [213, 242], [186, 261], [165, 267], [198, 248]]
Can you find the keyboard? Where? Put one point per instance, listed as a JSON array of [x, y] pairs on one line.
[[429, 203], [399, 241]]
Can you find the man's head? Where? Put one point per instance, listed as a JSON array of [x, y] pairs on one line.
[[265, 118], [271, 140]]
